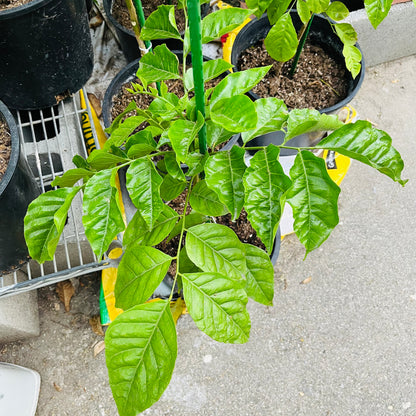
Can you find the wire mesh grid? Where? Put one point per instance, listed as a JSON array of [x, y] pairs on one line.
[[50, 138]]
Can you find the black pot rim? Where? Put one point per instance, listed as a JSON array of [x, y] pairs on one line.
[[15, 148], [108, 4], [23, 9], [334, 107]]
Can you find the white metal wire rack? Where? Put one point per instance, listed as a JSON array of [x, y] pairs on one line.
[[50, 138]]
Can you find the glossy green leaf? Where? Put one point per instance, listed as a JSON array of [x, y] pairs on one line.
[[260, 275], [166, 108], [337, 11], [216, 134], [303, 11], [377, 10], [221, 22], [139, 273], [123, 131], [101, 159], [185, 263], [346, 33], [194, 218], [217, 305], [171, 188], [161, 24], [314, 200], [182, 133], [318, 6], [281, 42], [304, 120], [71, 177], [206, 201], [276, 9], [368, 145], [195, 163], [234, 114], [238, 83], [138, 232], [45, 220], [265, 186], [271, 115], [352, 57], [143, 184], [159, 65], [211, 69], [224, 174], [173, 167], [140, 351], [259, 6], [102, 217], [216, 248]]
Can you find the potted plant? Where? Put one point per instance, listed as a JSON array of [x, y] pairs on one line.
[[46, 52], [17, 189], [214, 271]]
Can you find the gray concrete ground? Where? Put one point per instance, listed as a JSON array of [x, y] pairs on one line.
[[342, 344]]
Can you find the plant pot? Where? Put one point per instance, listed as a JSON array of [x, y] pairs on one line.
[[46, 52], [17, 189], [321, 34], [128, 40]]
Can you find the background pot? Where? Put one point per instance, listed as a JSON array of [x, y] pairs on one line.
[[46, 51], [320, 34], [128, 41], [17, 189]]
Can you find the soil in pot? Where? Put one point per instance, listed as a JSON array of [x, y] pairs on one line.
[[9, 4], [319, 81], [121, 14], [5, 147]]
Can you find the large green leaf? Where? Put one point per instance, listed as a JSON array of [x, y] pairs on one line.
[[259, 6], [140, 351], [304, 120], [276, 9], [271, 114], [71, 177], [182, 133], [260, 275], [314, 200], [173, 167], [352, 57], [224, 174], [318, 6], [377, 10], [216, 134], [102, 217], [221, 22], [281, 42], [196, 162], [143, 137], [171, 188], [161, 24], [303, 11], [217, 304], [165, 108], [346, 33], [101, 159], [143, 184], [45, 220], [206, 201], [265, 186], [159, 65], [211, 69], [140, 272], [368, 145], [234, 114], [238, 83], [138, 232], [337, 11], [216, 248], [123, 131]]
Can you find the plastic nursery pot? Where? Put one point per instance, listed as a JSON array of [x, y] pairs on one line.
[[320, 34], [46, 52], [17, 189], [128, 40]]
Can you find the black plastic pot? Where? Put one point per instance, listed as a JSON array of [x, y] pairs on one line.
[[17, 189], [320, 34], [128, 41], [46, 51]]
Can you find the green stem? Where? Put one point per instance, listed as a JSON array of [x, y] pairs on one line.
[[194, 12], [304, 35]]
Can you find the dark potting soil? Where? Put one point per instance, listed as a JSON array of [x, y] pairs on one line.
[[319, 81], [9, 4], [5, 147], [121, 13]]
